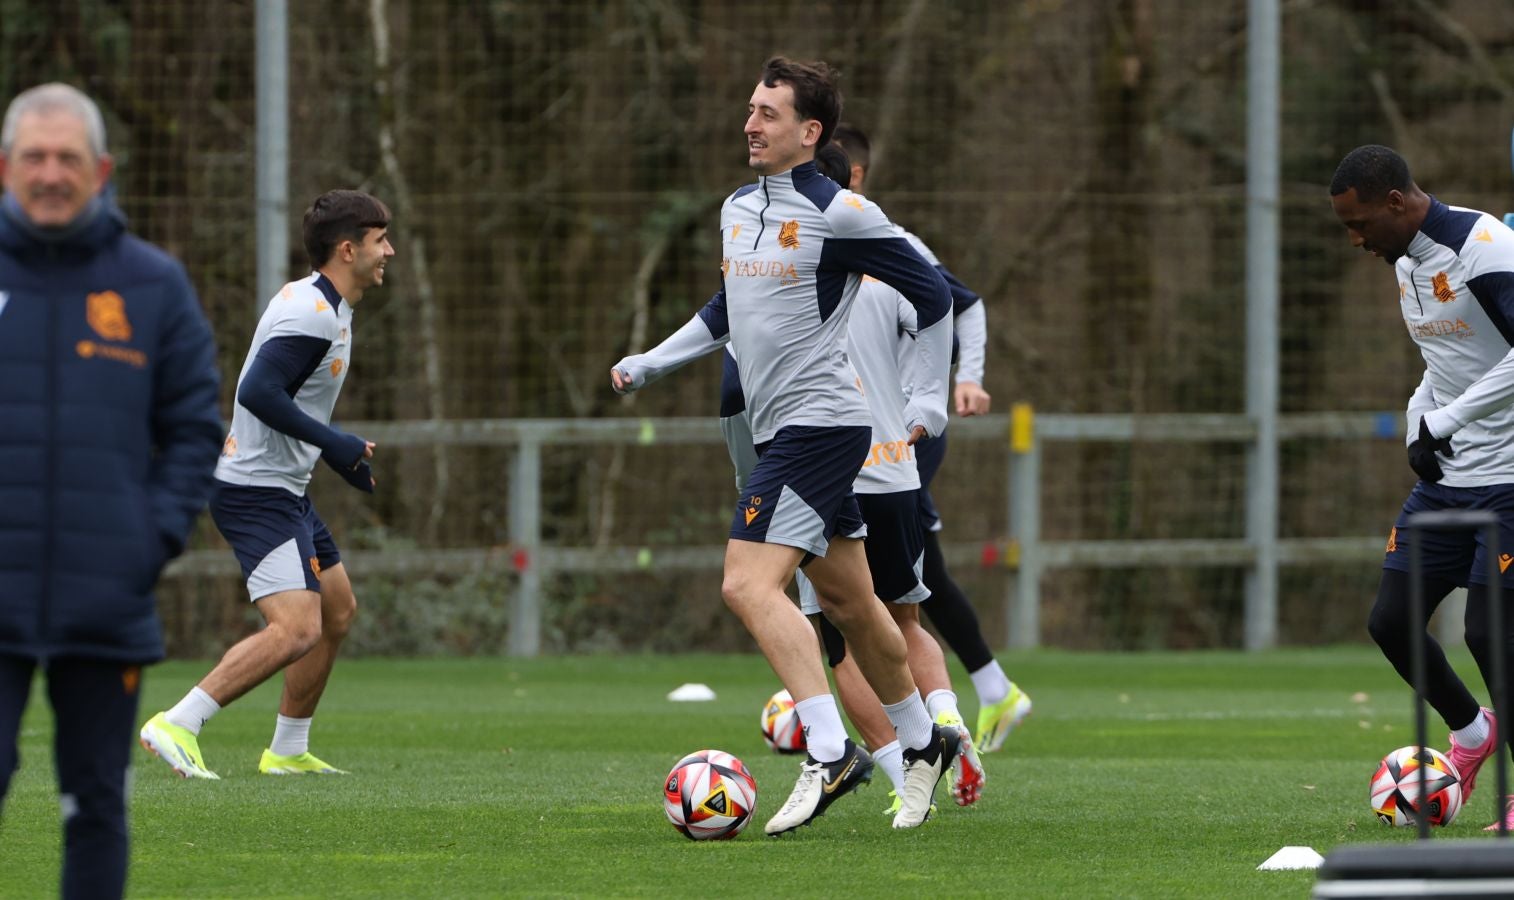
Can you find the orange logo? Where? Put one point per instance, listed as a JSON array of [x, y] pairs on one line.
[[852, 201], [1442, 287], [132, 357], [336, 367], [1392, 540], [788, 235], [287, 292], [106, 312], [320, 306], [751, 511], [735, 230], [1503, 562], [131, 676], [315, 566], [1483, 235], [229, 448], [725, 266]]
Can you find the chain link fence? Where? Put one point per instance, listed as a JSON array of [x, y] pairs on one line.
[[556, 169]]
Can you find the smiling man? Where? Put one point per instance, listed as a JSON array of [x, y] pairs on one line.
[[300, 357], [1455, 272], [108, 436], [795, 245]]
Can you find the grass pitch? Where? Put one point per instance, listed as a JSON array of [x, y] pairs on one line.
[[1139, 775]]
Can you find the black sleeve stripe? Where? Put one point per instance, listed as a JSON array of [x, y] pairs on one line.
[[296, 357], [1495, 294]]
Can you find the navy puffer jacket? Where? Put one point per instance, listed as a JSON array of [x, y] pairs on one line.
[[109, 432]]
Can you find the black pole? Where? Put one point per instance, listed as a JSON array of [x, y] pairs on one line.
[[1499, 701], [1421, 633]]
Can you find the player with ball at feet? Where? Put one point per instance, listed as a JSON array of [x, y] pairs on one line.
[[1455, 273]]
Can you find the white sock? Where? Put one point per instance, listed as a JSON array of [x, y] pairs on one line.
[[193, 711], [911, 721], [991, 683], [939, 701], [291, 737], [1473, 735], [824, 734], [890, 758]]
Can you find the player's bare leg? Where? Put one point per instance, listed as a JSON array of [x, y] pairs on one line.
[[845, 587], [755, 576], [294, 626], [305, 678], [305, 682]]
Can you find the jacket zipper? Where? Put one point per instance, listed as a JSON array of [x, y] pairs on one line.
[[49, 481], [762, 222]]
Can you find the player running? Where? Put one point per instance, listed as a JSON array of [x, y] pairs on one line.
[[1455, 270], [1002, 705], [300, 357], [794, 245]]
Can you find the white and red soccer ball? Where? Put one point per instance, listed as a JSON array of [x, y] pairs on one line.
[[1396, 792], [781, 728], [709, 796]]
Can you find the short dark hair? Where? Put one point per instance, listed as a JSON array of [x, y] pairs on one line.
[[854, 141], [338, 216], [833, 163], [815, 93], [1373, 170]]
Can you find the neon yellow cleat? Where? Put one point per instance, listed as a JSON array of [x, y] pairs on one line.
[[305, 764], [997, 721], [179, 747]]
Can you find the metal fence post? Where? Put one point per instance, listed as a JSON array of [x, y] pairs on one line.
[[525, 536], [272, 143], [1023, 618]]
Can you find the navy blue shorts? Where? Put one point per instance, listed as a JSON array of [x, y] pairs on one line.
[[929, 455], [800, 493], [895, 548], [278, 538], [1458, 556]]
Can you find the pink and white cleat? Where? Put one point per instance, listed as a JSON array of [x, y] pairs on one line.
[[1468, 760]]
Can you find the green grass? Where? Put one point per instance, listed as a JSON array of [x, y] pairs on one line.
[[1150, 775]]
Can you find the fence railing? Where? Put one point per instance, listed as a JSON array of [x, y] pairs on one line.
[[1023, 556]]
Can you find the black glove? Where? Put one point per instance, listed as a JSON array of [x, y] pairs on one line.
[[1422, 453], [346, 459]]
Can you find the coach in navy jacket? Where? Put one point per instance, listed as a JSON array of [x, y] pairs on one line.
[[109, 432]]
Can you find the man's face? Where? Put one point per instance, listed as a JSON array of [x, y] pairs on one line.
[[776, 138], [1379, 228], [371, 254], [51, 170]]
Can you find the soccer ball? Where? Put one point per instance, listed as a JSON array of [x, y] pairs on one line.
[[709, 796], [780, 724], [1395, 787]]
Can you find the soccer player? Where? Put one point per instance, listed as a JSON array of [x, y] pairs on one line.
[[1455, 273], [1002, 705], [108, 436], [794, 245], [300, 356]]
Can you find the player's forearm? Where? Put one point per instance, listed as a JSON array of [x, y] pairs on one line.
[[682, 347], [927, 402], [972, 338], [1489, 394]]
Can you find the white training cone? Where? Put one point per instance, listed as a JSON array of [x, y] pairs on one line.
[[1293, 858], [690, 693]]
